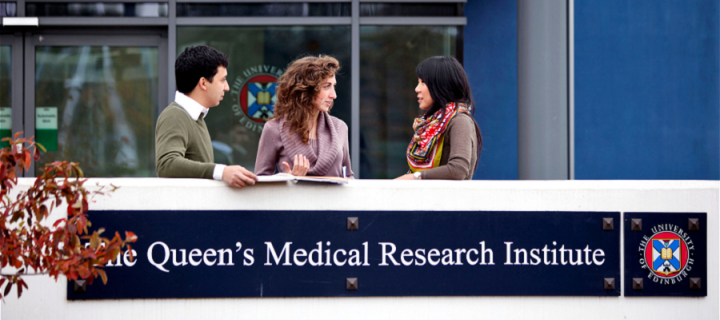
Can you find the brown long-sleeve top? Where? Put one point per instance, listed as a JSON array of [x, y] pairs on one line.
[[327, 155], [459, 154]]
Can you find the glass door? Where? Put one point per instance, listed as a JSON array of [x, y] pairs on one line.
[[10, 86], [94, 100]]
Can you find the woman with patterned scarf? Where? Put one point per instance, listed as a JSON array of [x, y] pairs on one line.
[[447, 141]]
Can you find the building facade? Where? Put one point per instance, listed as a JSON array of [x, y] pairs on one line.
[[564, 90]]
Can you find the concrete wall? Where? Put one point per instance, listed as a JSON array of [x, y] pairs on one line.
[[45, 298]]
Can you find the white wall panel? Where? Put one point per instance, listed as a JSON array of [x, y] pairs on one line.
[[45, 298]]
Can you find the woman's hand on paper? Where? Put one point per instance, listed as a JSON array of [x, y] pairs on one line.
[[300, 166]]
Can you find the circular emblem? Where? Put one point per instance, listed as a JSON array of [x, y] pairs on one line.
[[255, 93], [667, 254], [258, 96]]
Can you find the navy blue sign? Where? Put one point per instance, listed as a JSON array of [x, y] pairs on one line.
[[665, 254], [199, 254]]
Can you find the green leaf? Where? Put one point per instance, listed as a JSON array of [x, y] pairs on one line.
[[40, 146]]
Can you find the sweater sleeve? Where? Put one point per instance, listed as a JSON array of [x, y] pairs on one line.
[[346, 151], [171, 140], [268, 149], [462, 140]]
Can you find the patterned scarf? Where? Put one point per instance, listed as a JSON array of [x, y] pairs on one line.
[[425, 149]]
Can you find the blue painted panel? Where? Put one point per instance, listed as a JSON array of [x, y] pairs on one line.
[[491, 64], [646, 89]]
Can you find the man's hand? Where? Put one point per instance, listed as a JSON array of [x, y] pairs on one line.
[[238, 177], [300, 167]]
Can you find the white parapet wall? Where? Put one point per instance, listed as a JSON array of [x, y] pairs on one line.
[[46, 299]]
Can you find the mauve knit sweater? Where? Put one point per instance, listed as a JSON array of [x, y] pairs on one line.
[[327, 155]]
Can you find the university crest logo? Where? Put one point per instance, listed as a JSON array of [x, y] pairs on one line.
[[255, 94], [667, 254]]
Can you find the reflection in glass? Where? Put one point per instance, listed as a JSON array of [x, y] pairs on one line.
[[258, 56], [388, 102], [97, 9], [97, 106], [300, 9], [8, 9], [5, 90], [411, 9]]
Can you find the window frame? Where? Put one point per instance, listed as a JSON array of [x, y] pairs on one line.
[[172, 22]]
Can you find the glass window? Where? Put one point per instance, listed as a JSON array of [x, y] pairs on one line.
[[301, 9], [260, 55], [97, 9], [8, 9], [97, 105], [411, 9], [5, 91], [388, 103]]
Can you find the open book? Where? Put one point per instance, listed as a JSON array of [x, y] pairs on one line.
[[280, 177]]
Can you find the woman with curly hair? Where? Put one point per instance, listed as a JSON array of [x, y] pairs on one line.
[[301, 131]]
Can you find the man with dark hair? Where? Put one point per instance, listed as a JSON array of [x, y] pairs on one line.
[[182, 143]]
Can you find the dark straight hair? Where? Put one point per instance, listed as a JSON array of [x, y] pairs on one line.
[[447, 82]]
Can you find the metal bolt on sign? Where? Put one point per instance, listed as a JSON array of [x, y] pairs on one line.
[[637, 283], [353, 223], [693, 224], [79, 286], [608, 224], [695, 284], [609, 283], [351, 284]]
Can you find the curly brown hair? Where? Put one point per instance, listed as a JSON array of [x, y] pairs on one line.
[[297, 89]]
